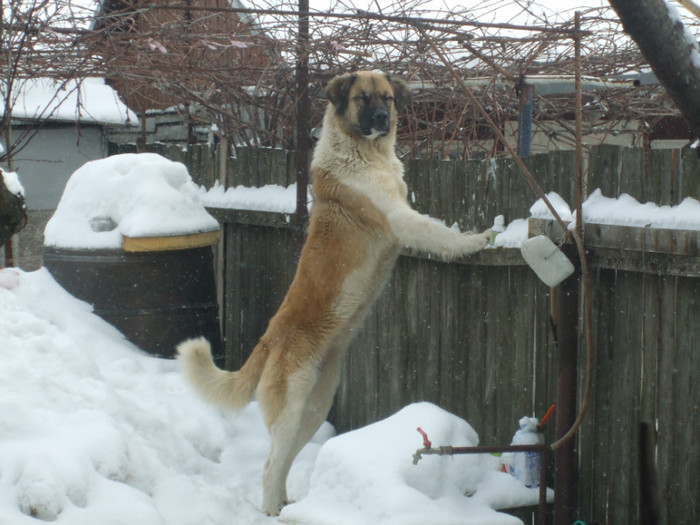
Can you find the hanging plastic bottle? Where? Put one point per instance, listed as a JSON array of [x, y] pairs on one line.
[[526, 465]]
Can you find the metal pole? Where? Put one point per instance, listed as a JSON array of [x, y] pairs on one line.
[[579, 125], [525, 120], [542, 450], [302, 119], [565, 477]]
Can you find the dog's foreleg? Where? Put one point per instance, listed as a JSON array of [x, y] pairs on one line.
[[425, 234]]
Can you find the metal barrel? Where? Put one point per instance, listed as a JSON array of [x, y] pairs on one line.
[[156, 299]]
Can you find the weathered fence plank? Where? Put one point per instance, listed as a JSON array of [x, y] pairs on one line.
[[678, 381]]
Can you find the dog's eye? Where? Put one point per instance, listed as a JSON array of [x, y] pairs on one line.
[[364, 97], [387, 98]]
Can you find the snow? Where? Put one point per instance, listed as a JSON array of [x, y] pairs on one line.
[[597, 209], [134, 195], [368, 474], [624, 210], [89, 100], [514, 235], [93, 430], [11, 181], [627, 211], [541, 211], [691, 40], [271, 197]]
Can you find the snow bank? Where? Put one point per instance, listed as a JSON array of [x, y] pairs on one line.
[[134, 195], [92, 430], [367, 476]]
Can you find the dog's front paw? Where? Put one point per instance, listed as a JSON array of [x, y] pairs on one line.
[[474, 242]]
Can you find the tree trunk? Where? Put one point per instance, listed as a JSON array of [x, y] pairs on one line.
[[670, 51]]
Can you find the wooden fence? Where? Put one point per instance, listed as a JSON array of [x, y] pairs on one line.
[[474, 336]]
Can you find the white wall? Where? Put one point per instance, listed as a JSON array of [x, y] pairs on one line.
[[47, 162]]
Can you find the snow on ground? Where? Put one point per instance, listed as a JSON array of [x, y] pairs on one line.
[[92, 430]]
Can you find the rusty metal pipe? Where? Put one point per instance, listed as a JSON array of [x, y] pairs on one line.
[[542, 450]]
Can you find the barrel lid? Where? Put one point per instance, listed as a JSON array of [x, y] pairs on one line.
[[170, 242]]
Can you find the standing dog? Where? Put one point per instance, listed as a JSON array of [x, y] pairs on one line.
[[360, 220]]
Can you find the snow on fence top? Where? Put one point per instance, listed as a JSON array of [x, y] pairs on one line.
[[625, 211], [271, 198], [132, 195]]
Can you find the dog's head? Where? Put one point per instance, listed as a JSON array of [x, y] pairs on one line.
[[367, 103]]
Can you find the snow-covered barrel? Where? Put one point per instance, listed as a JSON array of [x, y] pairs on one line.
[[131, 237]]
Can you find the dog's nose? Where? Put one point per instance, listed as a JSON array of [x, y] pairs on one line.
[[380, 120]]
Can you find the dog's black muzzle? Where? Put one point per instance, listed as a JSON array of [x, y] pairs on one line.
[[377, 123]]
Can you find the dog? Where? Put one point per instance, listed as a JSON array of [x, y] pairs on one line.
[[359, 222]]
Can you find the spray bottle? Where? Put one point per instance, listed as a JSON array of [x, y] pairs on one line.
[[526, 465]]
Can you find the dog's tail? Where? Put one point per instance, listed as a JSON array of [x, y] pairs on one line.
[[232, 390]]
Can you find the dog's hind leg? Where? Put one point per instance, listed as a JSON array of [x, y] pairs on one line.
[[309, 399], [282, 454]]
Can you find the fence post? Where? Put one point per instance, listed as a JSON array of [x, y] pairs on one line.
[[302, 119]]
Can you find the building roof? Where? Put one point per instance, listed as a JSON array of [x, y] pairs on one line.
[[89, 100]]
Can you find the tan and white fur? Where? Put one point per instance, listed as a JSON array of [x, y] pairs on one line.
[[359, 222]]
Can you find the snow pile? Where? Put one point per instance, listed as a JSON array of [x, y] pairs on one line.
[[370, 473], [134, 195], [271, 197], [11, 181], [90, 100], [514, 235], [92, 430], [539, 210]]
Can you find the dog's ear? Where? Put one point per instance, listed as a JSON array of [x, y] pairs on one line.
[[338, 91], [402, 94]]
